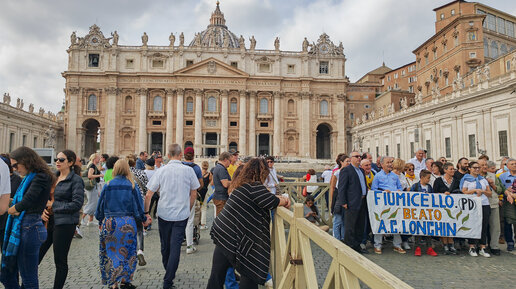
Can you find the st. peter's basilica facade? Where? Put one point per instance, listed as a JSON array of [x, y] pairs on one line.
[[216, 93]]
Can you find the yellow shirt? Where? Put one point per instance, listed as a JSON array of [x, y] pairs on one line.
[[231, 170], [369, 180]]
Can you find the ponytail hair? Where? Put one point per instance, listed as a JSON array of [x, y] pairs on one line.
[[72, 158]]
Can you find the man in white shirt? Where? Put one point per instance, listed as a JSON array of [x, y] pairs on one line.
[[178, 186], [326, 175], [419, 161], [272, 180], [5, 187]]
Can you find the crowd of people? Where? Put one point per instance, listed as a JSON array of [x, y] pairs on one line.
[[355, 174], [41, 208]]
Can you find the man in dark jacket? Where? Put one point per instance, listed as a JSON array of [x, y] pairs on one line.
[[352, 199]]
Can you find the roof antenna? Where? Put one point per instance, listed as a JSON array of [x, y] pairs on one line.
[[383, 58]]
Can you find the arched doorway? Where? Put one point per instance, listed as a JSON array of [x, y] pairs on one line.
[[91, 136], [323, 145], [211, 138], [233, 146]]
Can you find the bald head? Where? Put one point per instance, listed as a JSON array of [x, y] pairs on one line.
[[365, 164]]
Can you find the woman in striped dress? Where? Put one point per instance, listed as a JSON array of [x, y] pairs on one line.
[[241, 231]]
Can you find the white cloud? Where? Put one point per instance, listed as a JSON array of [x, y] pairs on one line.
[[35, 34]]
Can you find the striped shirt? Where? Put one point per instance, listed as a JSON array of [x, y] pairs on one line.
[[242, 230]]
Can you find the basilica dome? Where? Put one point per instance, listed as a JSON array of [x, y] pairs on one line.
[[215, 33]]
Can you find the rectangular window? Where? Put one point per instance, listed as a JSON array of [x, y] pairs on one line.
[[93, 60], [264, 124], [396, 75], [351, 116], [491, 22], [388, 78], [189, 122], [24, 140], [129, 63], [157, 63], [452, 12], [377, 151], [232, 123], [398, 150], [189, 106], [291, 68], [386, 150], [472, 36], [35, 143], [428, 148], [472, 55], [502, 143], [323, 67], [11, 142], [447, 146], [189, 63], [411, 89], [508, 65], [234, 64], [509, 28], [442, 16], [264, 67], [156, 122], [500, 25], [472, 146], [233, 107], [446, 82], [411, 148]]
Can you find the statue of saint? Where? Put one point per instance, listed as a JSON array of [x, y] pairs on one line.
[[172, 39], [31, 108], [181, 39], [145, 39], [253, 42], [226, 41], [487, 73], [241, 42], [197, 42], [73, 38], [403, 103], [7, 98], [50, 135], [276, 43], [305, 45], [115, 38]]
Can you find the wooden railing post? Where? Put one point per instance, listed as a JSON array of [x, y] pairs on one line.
[[299, 280]]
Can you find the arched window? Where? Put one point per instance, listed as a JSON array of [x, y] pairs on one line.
[[92, 102], [291, 107], [503, 49], [157, 104], [324, 107], [494, 49], [233, 146], [264, 106], [212, 104], [233, 106], [189, 104], [486, 47], [128, 105]]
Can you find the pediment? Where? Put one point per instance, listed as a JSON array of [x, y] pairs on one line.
[[211, 67]]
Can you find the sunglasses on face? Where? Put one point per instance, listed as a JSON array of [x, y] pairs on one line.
[[270, 162], [476, 168], [357, 157], [61, 160]]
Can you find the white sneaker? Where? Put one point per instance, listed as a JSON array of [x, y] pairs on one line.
[[405, 246], [484, 253], [190, 249], [472, 252], [78, 233], [363, 246], [269, 284], [84, 222]]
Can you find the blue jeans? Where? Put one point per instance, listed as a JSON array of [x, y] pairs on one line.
[[33, 234], [171, 235], [338, 226], [508, 233], [231, 282]]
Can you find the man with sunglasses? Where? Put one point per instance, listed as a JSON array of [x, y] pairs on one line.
[[507, 179], [351, 199]]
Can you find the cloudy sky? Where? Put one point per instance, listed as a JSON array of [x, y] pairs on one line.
[[34, 35]]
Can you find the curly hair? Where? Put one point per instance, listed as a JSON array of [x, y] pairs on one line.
[[31, 161], [256, 170]]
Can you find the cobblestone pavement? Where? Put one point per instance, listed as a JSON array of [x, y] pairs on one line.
[[460, 271]]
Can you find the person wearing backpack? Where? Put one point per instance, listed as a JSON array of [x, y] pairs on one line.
[[189, 157]]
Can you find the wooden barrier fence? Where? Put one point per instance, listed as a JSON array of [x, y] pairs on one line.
[[293, 263]]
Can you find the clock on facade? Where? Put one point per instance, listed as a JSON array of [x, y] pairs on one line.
[[324, 48]]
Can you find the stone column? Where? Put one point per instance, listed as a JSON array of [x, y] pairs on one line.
[[110, 134], [142, 127], [73, 112], [252, 123], [242, 126], [341, 125], [170, 118], [179, 117], [224, 121], [276, 146], [198, 121], [305, 129], [81, 141]]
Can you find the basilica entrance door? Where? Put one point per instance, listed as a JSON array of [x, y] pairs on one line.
[[156, 142], [264, 144], [323, 142], [211, 139]]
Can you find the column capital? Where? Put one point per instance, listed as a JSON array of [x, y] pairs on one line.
[[305, 95], [112, 90], [224, 92], [198, 92], [180, 91], [243, 92], [252, 93], [142, 91], [170, 91], [74, 90]]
